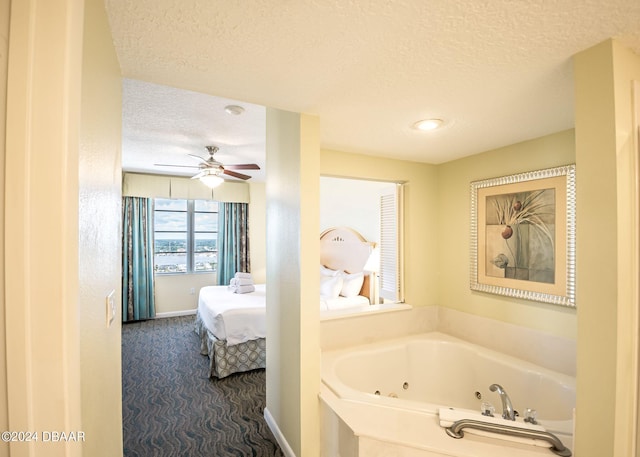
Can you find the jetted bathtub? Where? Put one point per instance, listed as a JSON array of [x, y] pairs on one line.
[[430, 371]]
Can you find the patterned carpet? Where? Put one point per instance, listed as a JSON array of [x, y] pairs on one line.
[[171, 408]]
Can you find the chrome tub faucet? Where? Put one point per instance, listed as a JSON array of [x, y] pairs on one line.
[[508, 412]]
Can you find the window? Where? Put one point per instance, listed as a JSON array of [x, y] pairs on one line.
[[185, 236], [375, 210]]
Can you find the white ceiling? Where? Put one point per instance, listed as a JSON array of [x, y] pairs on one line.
[[162, 125], [499, 72]]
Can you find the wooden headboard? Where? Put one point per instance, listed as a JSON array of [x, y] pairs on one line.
[[342, 248]]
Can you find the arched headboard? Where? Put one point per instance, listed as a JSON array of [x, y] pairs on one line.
[[342, 248]]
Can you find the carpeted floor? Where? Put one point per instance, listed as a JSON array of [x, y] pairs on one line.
[[171, 408]]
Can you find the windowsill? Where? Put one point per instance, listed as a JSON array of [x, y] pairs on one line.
[[161, 275], [365, 310]]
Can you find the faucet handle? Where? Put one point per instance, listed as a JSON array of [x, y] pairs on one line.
[[530, 416], [487, 409]]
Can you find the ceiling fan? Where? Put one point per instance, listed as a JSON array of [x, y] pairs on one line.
[[213, 172]]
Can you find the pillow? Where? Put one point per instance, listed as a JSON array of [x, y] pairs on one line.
[[330, 286], [351, 284], [324, 271]]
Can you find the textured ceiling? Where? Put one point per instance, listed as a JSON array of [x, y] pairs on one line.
[[498, 72], [162, 125]]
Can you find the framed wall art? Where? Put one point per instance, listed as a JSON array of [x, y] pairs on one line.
[[523, 235]]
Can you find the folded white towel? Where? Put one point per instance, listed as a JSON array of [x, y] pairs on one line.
[[241, 275], [245, 289], [243, 281]]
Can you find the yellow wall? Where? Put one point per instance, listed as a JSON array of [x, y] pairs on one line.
[[420, 221], [607, 313], [453, 215], [100, 234], [293, 318], [437, 225], [309, 354], [627, 68]]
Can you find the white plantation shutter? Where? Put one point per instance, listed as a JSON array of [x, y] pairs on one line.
[[390, 244]]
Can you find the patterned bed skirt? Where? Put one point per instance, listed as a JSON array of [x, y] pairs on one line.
[[225, 360]]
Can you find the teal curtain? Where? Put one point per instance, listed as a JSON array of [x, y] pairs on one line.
[[233, 240], [137, 259]]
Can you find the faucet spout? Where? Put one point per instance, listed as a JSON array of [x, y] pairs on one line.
[[507, 408]]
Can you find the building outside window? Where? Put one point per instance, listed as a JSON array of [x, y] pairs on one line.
[[185, 236]]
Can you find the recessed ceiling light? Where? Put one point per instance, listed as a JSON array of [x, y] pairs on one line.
[[234, 109], [428, 124]]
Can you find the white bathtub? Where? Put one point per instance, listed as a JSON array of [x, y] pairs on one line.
[[426, 372]]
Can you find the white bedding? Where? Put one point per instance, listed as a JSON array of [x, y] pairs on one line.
[[233, 317], [330, 304]]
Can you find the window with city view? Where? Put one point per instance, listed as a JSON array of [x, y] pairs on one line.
[[185, 236]]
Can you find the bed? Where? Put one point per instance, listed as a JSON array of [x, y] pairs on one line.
[[232, 329], [345, 282]]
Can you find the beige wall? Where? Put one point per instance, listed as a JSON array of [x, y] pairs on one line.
[[453, 215], [607, 313], [175, 294], [258, 231], [100, 240], [421, 218], [4, 48], [64, 369], [41, 221], [293, 347]]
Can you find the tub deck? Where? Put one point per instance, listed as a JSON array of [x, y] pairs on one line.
[[363, 429]]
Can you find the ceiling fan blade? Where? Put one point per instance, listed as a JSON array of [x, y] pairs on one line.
[[235, 174], [243, 166], [198, 158], [169, 165]]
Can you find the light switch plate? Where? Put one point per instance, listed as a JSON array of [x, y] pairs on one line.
[[111, 307]]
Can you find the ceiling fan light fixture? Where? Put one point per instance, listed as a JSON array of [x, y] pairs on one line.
[[236, 110], [426, 125], [211, 180]]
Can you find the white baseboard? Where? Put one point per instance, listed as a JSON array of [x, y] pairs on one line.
[[176, 313], [273, 426]]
